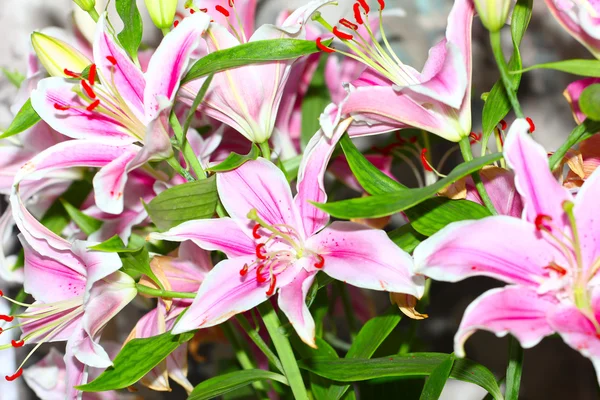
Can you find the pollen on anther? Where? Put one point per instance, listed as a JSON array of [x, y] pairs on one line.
[[17, 374], [7, 318], [175, 23], [531, 125], [192, 11], [424, 161], [364, 6], [381, 4], [71, 73], [272, 286], [503, 125], [88, 89], [259, 277], [231, 3], [320, 263], [60, 107], [244, 270], [324, 48], [222, 10], [341, 35], [14, 343], [259, 253], [92, 75], [541, 222], [112, 60], [348, 24], [255, 233], [93, 106], [357, 14], [1, 293]]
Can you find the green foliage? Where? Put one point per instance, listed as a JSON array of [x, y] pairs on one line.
[[589, 102], [25, 119], [131, 35]]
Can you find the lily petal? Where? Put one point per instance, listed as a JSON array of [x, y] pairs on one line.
[[292, 301], [517, 310], [585, 210], [109, 183]]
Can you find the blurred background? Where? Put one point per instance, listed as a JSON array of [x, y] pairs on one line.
[[551, 369]]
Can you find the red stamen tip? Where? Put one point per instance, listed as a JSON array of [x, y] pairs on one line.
[[259, 276], [93, 106], [503, 125], [381, 4], [341, 35], [88, 89], [541, 222], [71, 73], [364, 6], [204, 10], [244, 270], [14, 343], [1, 330], [557, 268], [192, 11], [112, 60], [475, 137], [222, 10], [255, 234], [357, 14], [424, 161], [231, 2], [324, 48], [348, 24], [7, 318], [61, 107], [175, 23], [321, 261], [17, 374], [1, 293], [531, 125], [92, 75], [259, 252], [272, 286]]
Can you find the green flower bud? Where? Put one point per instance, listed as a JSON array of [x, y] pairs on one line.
[[86, 5], [162, 12], [57, 56], [493, 13]]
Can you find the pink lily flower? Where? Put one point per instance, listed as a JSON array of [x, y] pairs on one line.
[[549, 258], [390, 95], [276, 242], [581, 18], [238, 16], [572, 94], [115, 108], [76, 291], [248, 98]]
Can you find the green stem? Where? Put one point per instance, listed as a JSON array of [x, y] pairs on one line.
[[259, 342], [180, 170], [514, 369], [164, 293], [284, 349], [496, 42], [265, 150], [94, 14], [188, 153], [465, 149], [165, 31]]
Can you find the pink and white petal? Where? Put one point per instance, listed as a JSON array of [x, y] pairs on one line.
[[586, 215], [170, 61], [472, 248], [225, 293], [47, 378], [246, 10], [366, 258], [75, 371], [177, 367], [260, 185], [541, 192], [64, 323], [573, 92], [294, 24], [76, 122], [127, 77], [292, 301], [109, 183], [517, 310], [222, 234], [152, 324], [98, 264]]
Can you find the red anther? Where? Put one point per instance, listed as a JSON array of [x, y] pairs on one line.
[[413, 139], [71, 73], [231, 3], [348, 24], [474, 137], [324, 48], [320, 263], [357, 14], [1, 293], [259, 253], [557, 268], [222, 10], [93, 106], [503, 125], [341, 35], [192, 11], [14, 343], [272, 286], [1, 330], [88, 89], [17, 374], [61, 107], [244, 270], [381, 4], [92, 75], [7, 318], [112, 60], [255, 234], [531, 125], [364, 5], [175, 23], [540, 222], [259, 276], [204, 10], [424, 161]]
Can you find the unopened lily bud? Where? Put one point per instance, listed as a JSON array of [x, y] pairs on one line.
[[162, 12], [57, 56], [86, 5], [493, 13]]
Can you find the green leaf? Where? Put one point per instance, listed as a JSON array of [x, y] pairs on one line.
[[577, 135], [437, 380], [390, 203], [579, 67], [251, 53], [316, 99], [409, 365], [589, 102], [86, 223], [193, 200], [131, 35], [219, 385], [25, 119], [235, 160], [434, 214], [291, 166], [406, 237], [497, 103], [135, 360], [15, 77], [138, 262], [56, 217], [116, 245]]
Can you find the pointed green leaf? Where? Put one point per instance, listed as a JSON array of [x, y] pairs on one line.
[[219, 385], [25, 119], [131, 35], [589, 68], [87, 224], [582, 132], [15, 77], [235, 160], [406, 237], [437, 380], [116, 245], [589, 102]]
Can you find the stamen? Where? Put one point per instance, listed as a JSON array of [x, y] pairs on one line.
[[425, 162], [244, 270], [364, 5], [381, 4], [557, 268], [71, 73], [204, 10], [175, 23], [348, 24], [112, 60], [475, 137], [324, 48], [92, 106], [341, 35], [192, 11], [61, 107], [531, 125], [88, 89], [272, 285], [259, 253], [503, 125], [17, 374], [255, 234], [7, 318], [231, 3], [541, 222], [222, 10], [1, 293], [259, 277], [321, 263], [357, 14], [14, 343]]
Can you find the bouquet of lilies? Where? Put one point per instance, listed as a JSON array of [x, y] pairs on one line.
[[181, 194]]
